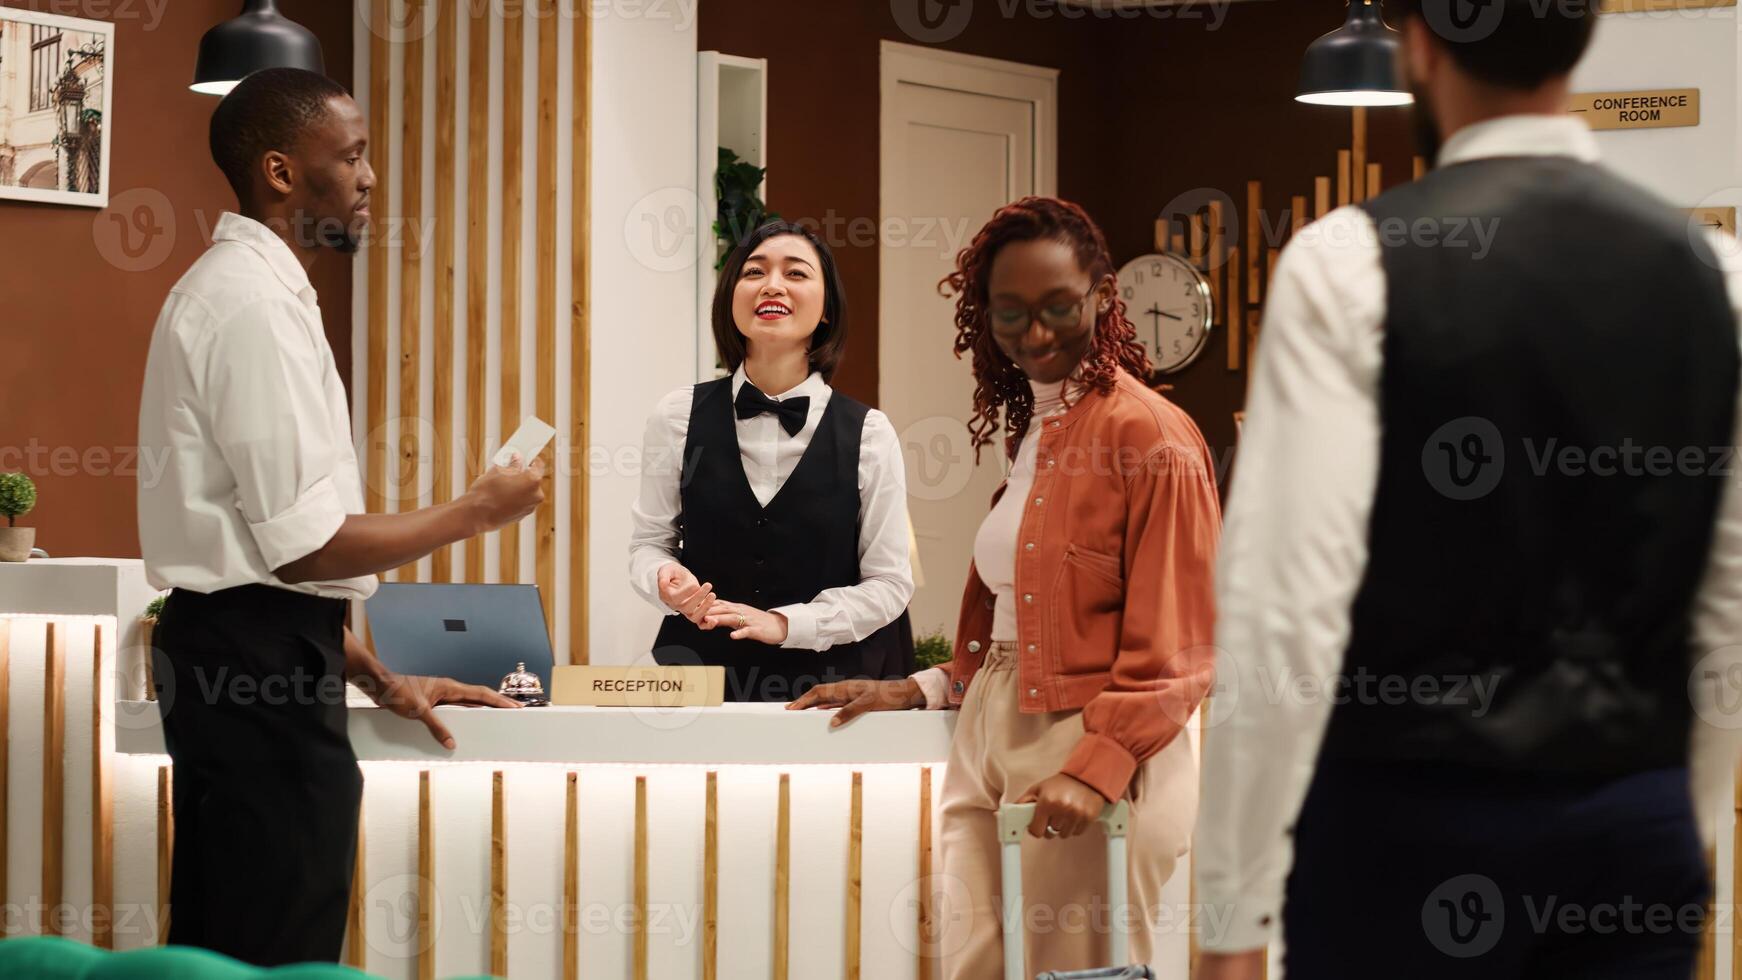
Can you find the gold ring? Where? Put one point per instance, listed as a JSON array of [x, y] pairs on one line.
[[742, 622]]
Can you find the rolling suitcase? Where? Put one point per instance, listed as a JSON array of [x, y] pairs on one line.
[[1013, 821]]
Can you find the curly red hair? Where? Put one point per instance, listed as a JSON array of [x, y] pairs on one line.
[[998, 383]]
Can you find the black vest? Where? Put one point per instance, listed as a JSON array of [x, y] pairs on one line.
[[1556, 415], [806, 540]]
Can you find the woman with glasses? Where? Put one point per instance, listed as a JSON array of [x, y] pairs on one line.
[[771, 527], [1084, 640]]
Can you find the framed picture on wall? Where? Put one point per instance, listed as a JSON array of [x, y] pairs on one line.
[[57, 77]]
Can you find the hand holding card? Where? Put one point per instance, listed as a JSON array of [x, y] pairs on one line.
[[527, 442]]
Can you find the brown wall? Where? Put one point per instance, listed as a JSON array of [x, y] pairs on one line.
[[79, 295], [1149, 108]]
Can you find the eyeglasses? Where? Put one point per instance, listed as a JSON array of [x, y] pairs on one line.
[[1014, 318]]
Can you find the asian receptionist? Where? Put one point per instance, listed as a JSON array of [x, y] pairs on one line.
[[771, 525]]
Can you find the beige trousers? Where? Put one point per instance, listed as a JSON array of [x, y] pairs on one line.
[[999, 753]]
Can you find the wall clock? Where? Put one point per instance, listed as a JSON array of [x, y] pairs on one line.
[[1168, 300]]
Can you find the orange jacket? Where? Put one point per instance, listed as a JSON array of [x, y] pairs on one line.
[[1114, 561]]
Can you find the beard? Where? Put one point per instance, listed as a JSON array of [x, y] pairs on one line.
[[1428, 141], [338, 236]]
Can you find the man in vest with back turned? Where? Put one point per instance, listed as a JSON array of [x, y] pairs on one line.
[[1481, 581]]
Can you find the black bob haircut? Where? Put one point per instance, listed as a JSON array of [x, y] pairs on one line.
[[1513, 44], [271, 109], [828, 344]]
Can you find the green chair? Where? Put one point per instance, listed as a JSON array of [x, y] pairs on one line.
[[54, 958]]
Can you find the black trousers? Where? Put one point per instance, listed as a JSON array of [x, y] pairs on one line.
[[266, 787], [1439, 872]]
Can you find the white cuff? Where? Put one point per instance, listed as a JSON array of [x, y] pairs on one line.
[[801, 626], [935, 682], [301, 529], [1237, 926]]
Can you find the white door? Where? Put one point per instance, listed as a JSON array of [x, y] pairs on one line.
[[961, 136]]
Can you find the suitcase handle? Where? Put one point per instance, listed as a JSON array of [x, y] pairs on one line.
[[1014, 818], [1013, 821]]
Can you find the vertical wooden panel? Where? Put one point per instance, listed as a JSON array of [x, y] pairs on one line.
[[580, 341], [165, 848], [1420, 167], [855, 875], [1375, 179], [1253, 322], [1321, 197], [5, 760], [1254, 232], [544, 544], [425, 941], [513, 132], [498, 877], [102, 801], [1179, 243], [356, 923], [1358, 155], [1213, 259], [1735, 874], [1163, 233], [1232, 317], [572, 879], [782, 877], [640, 950], [442, 394], [380, 94], [411, 273], [1197, 240], [477, 255], [1345, 189], [711, 882], [54, 730], [1297, 215], [927, 921]]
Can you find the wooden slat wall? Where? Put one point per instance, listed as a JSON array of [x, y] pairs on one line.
[[54, 731], [102, 800], [477, 255], [442, 387], [411, 273], [544, 540], [580, 333], [440, 414], [380, 206], [513, 133]]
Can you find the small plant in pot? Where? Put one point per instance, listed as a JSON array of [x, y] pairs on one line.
[[148, 622], [17, 497]]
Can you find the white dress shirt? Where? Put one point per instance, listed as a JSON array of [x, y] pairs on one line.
[[769, 455], [1294, 547], [244, 405]]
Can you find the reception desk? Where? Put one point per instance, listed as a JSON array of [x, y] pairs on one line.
[[743, 841]]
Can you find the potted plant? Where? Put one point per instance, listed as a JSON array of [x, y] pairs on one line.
[[931, 649], [148, 626], [737, 186], [17, 497]]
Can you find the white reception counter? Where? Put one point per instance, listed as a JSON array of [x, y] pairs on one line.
[[552, 842]]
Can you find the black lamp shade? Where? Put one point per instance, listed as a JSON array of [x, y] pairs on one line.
[[260, 37], [1354, 65]]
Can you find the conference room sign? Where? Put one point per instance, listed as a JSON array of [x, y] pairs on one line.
[[1651, 109]]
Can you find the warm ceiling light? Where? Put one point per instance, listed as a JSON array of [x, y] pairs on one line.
[[260, 37], [1354, 65]]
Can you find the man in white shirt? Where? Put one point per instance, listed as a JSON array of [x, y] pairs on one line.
[[257, 525], [1476, 551]]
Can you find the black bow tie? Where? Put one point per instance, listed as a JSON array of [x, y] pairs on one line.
[[791, 412]]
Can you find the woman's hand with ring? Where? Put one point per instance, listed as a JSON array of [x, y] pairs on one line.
[[746, 622], [1064, 806]]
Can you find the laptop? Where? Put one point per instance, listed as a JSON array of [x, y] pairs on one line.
[[472, 633]]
